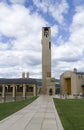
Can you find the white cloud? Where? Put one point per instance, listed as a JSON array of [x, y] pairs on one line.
[[54, 8], [78, 2], [68, 55], [25, 52], [54, 30], [17, 1], [58, 10], [3, 46], [78, 22], [20, 61], [22, 25], [43, 5], [77, 29]]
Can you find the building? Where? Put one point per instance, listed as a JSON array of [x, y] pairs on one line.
[[18, 87], [72, 82], [57, 86], [48, 83]]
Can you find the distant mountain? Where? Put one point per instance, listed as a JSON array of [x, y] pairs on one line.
[[39, 82]]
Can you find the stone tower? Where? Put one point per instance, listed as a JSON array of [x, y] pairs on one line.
[[46, 60], [46, 56]]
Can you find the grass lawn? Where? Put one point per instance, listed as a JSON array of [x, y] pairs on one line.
[[71, 112], [7, 109]]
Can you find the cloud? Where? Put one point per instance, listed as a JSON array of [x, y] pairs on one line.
[[54, 30], [58, 10], [20, 61], [22, 25], [22, 51], [70, 54], [55, 8], [77, 29], [66, 53], [16, 1], [20, 38], [78, 2], [3, 46]]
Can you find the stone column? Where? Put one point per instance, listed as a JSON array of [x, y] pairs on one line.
[[34, 90], [3, 92], [13, 93], [24, 91]]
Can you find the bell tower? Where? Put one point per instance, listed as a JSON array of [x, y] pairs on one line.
[[46, 57]]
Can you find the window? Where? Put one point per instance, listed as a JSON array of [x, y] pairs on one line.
[[0, 88], [30, 89], [9, 88], [81, 77], [49, 45], [46, 32], [48, 74]]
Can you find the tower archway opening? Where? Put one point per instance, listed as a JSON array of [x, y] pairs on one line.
[[51, 92]]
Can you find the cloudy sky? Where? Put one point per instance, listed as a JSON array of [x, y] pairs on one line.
[[21, 23]]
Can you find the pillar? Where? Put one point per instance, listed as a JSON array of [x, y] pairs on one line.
[[34, 90], [3, 92], [13, 93], [24, 91], [27, 75]]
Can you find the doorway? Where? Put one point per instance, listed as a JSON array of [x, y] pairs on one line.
[[68, 86], [50, 92]]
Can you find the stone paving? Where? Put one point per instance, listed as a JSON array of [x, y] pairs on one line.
[[39, 115]]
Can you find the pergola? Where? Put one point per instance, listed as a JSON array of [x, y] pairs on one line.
[[20, 86]]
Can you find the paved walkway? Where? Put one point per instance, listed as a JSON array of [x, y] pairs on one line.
[[39, 115]]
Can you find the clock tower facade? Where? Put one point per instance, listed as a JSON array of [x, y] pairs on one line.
[[46, 59]]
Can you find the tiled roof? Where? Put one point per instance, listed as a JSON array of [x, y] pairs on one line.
[[18, 81]]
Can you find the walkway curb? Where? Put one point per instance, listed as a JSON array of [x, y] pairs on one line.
[[59, 124]]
